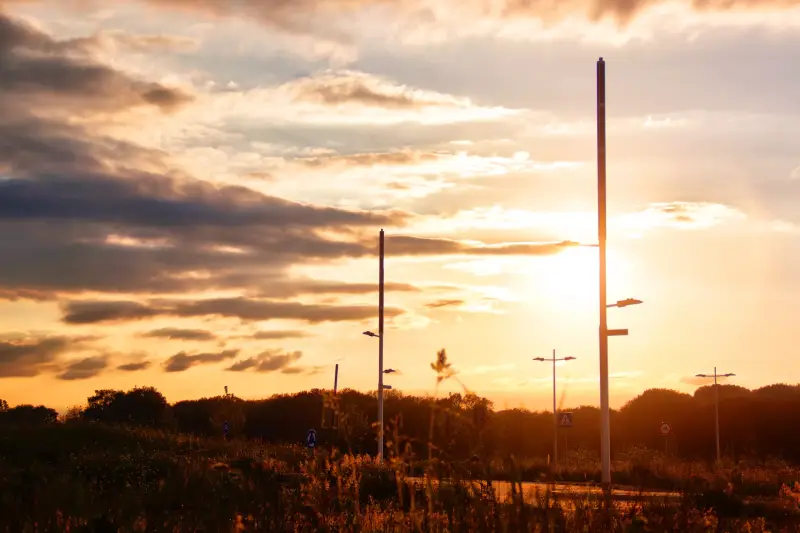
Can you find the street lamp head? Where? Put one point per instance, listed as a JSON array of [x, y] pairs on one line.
[[370, 334], [389, 371], [569, 358], [727, 375], [538, 359], [702, 376], [627, 301]]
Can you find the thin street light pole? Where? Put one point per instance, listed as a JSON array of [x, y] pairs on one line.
[[555, 413], [380, 350], [716, 414], [605, 426], [716, 406]]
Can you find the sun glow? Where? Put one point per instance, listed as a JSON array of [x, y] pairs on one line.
[[570, 278]]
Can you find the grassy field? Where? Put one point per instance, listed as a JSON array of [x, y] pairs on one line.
[[100, 478]]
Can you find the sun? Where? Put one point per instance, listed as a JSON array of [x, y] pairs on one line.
[[571, 278]]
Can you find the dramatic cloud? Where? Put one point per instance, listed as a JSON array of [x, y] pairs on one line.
[[349, 87], [258, 310], [84, 368], [92, 312], [83, 212], [181, 205], [92, 213], [29, 355], [344, 98], [183, 361], [269, 361], [312, 286], [181, 334], [307, 16], [279, 334], [135, 367], [246, 309], [409, 245], [37, 70]]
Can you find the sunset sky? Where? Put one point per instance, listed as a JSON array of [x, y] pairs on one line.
[[191, 194]]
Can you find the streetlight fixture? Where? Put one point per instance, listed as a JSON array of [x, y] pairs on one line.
[[370, 334], [716, 403], [555, 414], [625, 303]]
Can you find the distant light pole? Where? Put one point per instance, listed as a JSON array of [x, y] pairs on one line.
[[716, 404], [379, 335], [555, 414]]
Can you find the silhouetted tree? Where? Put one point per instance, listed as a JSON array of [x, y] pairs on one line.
[[140, 406], [28, 415], [759, 424]]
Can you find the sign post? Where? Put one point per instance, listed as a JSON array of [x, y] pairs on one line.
[[311, 440], [565, 421]]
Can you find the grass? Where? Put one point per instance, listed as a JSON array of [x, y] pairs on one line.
[[80, 477]]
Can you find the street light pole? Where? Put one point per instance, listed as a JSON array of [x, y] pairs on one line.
[[380, 350], [605, 425], [555, 413], [716, 405]]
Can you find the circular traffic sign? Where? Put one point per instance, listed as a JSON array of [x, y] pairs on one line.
[[665, 429]]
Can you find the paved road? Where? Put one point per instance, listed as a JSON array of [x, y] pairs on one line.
[[570, 490]]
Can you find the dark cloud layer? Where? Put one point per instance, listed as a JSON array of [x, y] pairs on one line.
[[269, 361], [67, 189], [86, 368], [81, 212], [30, 355], [299, 16], [183, 361], [279, 334], [408, 245], [37, 69], [338, 89], [135, 367], [179, 334], [246, 309]]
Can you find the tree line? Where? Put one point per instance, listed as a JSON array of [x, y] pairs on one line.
[[757, 423]]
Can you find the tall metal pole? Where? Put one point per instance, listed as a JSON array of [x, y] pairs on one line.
[[336, 379], [555, 416], [605, 426], [380, 352], [716, 413]]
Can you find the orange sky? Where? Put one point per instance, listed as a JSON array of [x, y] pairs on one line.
[[191, 198]]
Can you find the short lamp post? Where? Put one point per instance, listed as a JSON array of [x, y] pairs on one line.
[[555, 414], [716, 404]]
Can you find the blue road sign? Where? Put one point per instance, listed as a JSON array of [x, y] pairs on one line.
[[311, 438]]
